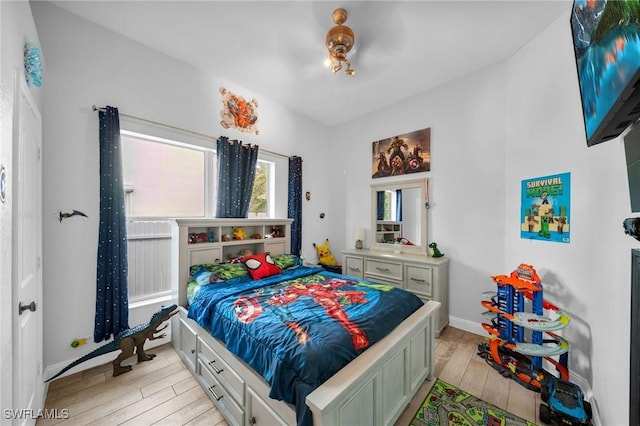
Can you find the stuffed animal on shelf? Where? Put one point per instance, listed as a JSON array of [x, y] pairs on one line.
[[324, 254], [238, 233]]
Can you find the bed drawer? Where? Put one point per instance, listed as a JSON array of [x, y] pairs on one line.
[[419, 280], [260, 413], [225, 403], [382, 269], [222, 372]]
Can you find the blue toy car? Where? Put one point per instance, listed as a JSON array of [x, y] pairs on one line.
[[566, 404]]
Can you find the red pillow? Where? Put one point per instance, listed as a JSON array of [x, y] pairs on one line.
[[261, 265]]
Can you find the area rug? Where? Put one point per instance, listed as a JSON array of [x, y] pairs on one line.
[[448, 405]]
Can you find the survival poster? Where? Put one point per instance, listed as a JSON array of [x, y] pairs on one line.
[[545, 208]]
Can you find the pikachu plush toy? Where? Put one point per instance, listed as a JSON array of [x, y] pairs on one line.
[[324, 254]]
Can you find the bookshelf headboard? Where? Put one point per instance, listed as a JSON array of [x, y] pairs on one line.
[[210, 240]]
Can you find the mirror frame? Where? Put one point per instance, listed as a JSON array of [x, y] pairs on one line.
[[403, 184]]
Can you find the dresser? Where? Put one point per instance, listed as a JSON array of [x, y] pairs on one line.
[[425, 276]]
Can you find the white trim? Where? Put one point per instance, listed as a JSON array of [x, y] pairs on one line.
[[51, 370], [466, 325], [150, 299]]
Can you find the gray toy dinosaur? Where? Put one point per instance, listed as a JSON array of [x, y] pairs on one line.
[[128, 340]]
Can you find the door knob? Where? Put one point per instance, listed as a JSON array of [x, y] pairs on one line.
[[31, 307]]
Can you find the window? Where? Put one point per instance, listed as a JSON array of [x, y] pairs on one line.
[[390, 204], [261, 199], [165, 178]]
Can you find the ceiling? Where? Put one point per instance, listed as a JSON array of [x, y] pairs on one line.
[[276, 48]]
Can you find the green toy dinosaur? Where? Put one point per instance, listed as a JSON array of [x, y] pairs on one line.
[[128, 340], [434, 250]]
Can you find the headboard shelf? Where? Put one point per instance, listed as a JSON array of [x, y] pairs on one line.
[[202, 240]]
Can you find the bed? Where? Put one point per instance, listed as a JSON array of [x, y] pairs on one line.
[[374, 369]]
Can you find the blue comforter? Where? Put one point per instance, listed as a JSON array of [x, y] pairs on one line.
[[300, 327]]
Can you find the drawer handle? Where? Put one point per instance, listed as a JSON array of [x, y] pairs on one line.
[[216, 369], [418, 280], [193, 351], [382, 269], [351, 268], [215, 395], [253, 420]]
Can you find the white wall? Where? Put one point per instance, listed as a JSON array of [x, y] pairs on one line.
[[518, 120], [590, 277], [512, 121], [16, 27], [89, 65], [466, 214]]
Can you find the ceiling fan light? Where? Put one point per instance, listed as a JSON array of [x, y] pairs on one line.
[[339, 41]]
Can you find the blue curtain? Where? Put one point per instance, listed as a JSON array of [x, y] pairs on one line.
[[294, 205], [399, 205], [236, 172], [112, 305], [380, 204]]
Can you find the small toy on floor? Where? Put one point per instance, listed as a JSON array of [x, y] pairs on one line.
[[78, 342], [566, 404], [128, 341]]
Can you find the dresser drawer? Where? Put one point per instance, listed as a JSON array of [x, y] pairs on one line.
[[380, 280], [419, 280], [223, 400], [354, 267], [383, 269], [218, 368]]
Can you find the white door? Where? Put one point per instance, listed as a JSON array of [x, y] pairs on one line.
[[27, 254]]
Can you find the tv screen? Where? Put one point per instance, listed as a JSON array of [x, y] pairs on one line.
[[606, 41]]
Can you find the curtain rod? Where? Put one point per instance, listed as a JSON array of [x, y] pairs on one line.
[[180, 129]]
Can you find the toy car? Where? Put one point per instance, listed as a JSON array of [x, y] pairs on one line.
[[566, 404]]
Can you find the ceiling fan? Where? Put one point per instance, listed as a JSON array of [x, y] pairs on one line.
[[339, 41]]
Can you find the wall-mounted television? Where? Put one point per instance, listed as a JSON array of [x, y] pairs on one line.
[[606, 41]]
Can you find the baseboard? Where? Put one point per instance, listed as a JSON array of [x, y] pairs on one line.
[[466, 325], [52, 370], [476, 328]]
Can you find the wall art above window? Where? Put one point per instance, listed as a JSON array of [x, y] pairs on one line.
[[402, 154], [237, 113]]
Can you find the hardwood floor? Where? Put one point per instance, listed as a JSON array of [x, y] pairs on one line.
[[159, 392], [163, 392], [456, 363]]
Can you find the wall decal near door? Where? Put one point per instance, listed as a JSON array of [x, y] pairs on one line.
[[62, 216], [3, 184]]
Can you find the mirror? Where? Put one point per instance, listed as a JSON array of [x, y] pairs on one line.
[[399, 216]]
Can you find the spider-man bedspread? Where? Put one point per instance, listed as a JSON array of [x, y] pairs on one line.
[[300, 327]]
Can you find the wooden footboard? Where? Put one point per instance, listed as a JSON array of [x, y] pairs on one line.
[[373, 389]]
